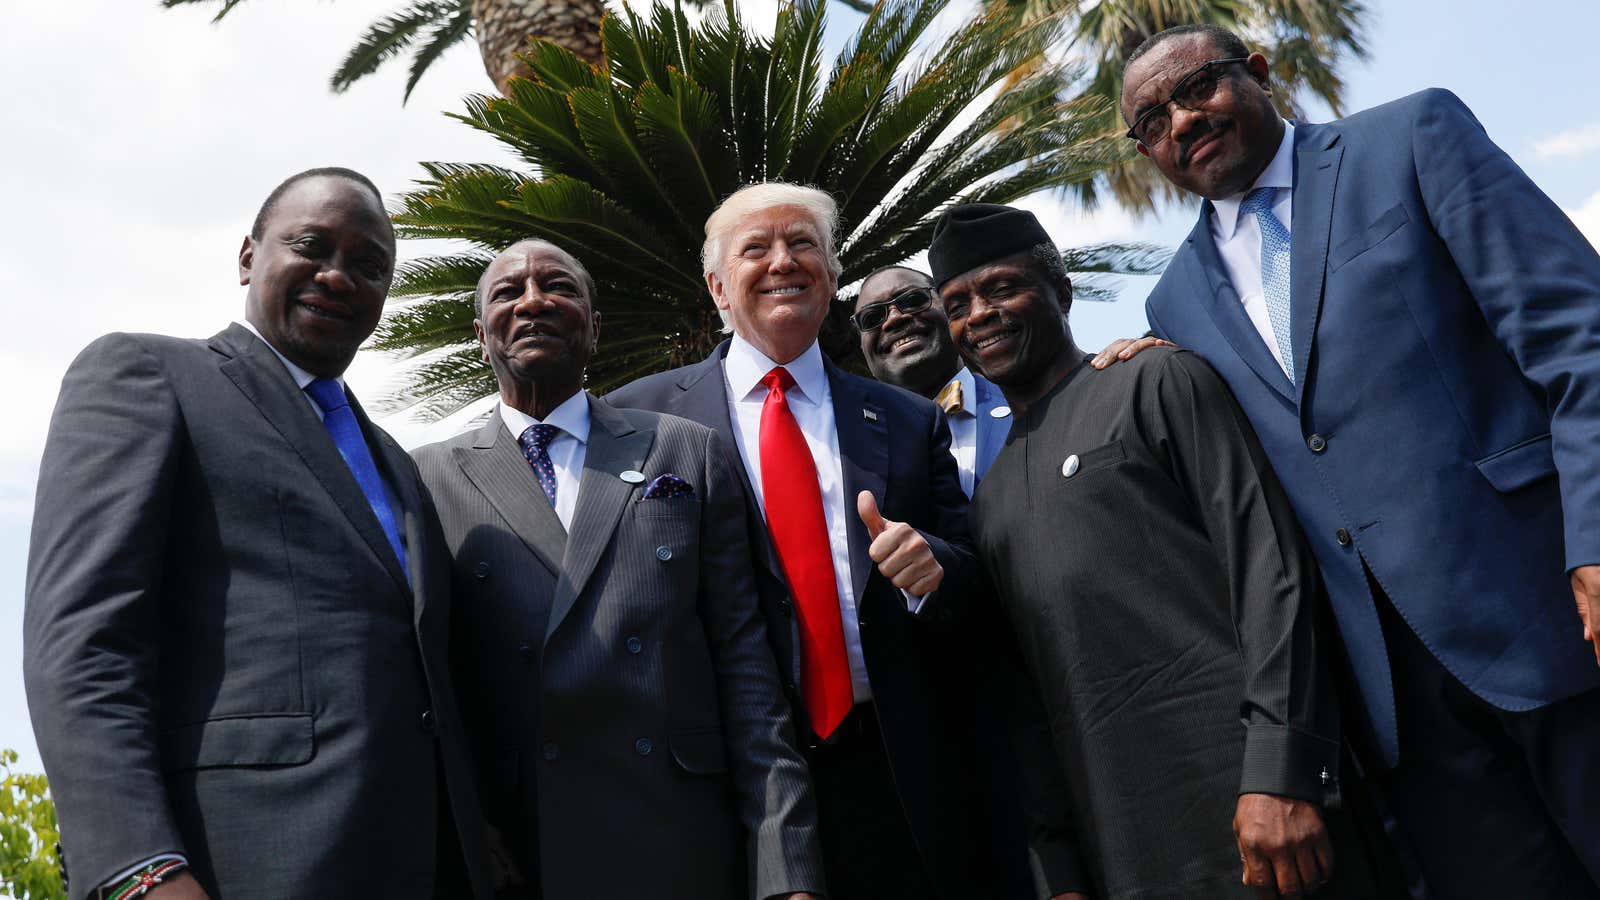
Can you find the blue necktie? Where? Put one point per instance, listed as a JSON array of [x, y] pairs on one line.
[[1274, 269], [534, 439], [340, 420]]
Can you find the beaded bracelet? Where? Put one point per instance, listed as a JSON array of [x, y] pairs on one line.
[[140, 882]]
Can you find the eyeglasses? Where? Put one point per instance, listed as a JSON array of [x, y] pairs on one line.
[[1190, 93], [909, 302]]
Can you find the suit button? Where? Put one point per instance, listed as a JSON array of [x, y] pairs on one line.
[[791, 687], [643, 746], [1343, 537], [784, 605], [526, 652], [428, 725], [663, 553], [481, 571], [635, 645], [551, 752], [1317, 443]]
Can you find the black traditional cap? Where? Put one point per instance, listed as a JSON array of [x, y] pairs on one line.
[[969, 235]]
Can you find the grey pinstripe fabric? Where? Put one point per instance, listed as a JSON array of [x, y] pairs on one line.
[[623, 703]]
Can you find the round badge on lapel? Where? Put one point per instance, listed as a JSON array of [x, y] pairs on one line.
[[1069, 466], [1000, 412], [632, 476]]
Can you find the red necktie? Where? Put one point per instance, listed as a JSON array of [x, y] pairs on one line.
[[800, 532]]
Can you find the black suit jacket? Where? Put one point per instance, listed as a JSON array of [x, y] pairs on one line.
[[632, 736], [896, 445], [222, 656]]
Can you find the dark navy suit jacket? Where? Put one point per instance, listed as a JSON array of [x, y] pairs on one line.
[[1446, 319], [992, 430]]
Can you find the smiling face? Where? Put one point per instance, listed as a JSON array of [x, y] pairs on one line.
[[1218, 150], [537, 324], [911, 351], [774, 281], [319, 272], [1006, 319]]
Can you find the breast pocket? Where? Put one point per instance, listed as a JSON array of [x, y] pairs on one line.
[[1080, 466], [667, 507], [1369, 237]]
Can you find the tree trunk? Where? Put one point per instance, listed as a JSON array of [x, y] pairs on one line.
[[504, 28]]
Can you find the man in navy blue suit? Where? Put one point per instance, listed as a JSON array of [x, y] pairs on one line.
[[858, 533], [1413, 329]]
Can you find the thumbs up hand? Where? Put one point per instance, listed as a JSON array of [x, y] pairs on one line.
[[901, 552]]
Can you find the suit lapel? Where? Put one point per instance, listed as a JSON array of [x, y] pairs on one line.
[[614, 447], [1210, 281], [395, 467], [261, 377], [991, 431], [704, 399], [496, 467], [864, 459], [1316, 172]]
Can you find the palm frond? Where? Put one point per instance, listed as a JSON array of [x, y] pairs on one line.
[[450, 27], [224, 6], [384, 39]]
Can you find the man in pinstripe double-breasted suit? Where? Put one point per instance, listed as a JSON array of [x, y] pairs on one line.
[[631, 733]]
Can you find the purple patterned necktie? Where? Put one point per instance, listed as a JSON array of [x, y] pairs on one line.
[[534, 439]]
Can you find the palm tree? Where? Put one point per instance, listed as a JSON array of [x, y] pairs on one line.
[[634, 153], [430, 27], [1304, 39]]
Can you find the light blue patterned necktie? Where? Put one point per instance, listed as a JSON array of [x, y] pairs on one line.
[[1274, 269], [340, 420], [535, 441]]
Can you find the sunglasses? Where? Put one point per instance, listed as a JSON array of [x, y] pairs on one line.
[[909, 302]]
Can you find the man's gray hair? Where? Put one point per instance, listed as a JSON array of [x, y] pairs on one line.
[[1049, 259], [754, 198]]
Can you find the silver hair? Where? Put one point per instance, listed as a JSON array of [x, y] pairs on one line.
[[817, 204], [1049, 258]]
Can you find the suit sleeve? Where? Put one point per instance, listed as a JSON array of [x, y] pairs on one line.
[[93, 613], [946, 532], [1537, 280], [774, 793], [1288, 705]]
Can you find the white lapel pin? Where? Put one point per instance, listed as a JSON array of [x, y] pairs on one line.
[[1000, 412], [1069, 467], [869, 415], [632, 476]]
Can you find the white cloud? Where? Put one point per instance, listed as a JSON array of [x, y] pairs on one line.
[[1587, 218], [1570, 144]]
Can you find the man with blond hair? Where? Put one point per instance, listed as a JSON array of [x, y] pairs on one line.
[[863, 564]]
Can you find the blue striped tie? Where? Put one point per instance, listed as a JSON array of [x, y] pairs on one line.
[[1274, 269], [340, 420]]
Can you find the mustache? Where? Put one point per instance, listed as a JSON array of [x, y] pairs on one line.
[[1200, 131]]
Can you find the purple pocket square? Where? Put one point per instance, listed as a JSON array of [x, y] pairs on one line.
[[668, 485]]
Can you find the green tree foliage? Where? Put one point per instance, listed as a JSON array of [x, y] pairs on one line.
[[627, 159], [29, 869]]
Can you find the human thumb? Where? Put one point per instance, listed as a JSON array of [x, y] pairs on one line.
[[867, 507]]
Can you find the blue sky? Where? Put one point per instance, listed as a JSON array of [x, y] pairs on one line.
[[140, 142]]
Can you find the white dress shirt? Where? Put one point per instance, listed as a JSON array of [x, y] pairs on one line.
[[1238, 238], [811, 402], [566, 449], [301, 376], [964, 429]]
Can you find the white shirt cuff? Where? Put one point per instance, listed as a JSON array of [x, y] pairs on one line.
[[913, 603], [118, 878]]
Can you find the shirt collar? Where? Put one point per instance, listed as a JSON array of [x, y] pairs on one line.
[[572, 417], [969, 390], [745, 366], [1278, 174], [301, 376]]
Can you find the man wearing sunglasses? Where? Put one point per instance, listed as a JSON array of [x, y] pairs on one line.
[[1411, 327], [905, 339]]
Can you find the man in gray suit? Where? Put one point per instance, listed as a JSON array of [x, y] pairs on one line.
[[630, 727], [238, 599]]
